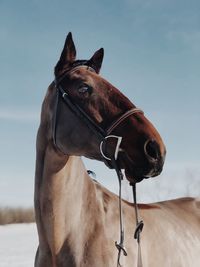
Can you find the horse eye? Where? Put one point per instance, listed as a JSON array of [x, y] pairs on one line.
[[84, 89]]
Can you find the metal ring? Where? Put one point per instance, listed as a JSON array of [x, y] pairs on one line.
[[63, 95], [119, 140]]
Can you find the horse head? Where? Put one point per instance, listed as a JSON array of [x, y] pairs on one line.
[[94, 119]]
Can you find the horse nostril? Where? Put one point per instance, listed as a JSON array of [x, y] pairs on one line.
[[151, 150]]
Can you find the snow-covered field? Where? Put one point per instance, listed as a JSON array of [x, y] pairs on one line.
[[18, 244]]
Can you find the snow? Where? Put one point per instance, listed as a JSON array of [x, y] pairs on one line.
[[18, 244]]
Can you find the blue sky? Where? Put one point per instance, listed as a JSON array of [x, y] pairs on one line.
[[152, 53]]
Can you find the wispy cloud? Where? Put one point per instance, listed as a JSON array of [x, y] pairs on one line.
[[21, 115]]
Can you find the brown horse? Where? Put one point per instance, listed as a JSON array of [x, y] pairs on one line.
[[78, 219]]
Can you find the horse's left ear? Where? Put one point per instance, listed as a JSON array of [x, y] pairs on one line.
[[96, 60], [68, 55]]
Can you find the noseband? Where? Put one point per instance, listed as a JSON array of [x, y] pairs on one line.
[[112, 161]]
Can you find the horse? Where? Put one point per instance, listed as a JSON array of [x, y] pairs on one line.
[[77, 218]]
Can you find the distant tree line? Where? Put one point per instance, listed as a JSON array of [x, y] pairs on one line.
[[16, 215]]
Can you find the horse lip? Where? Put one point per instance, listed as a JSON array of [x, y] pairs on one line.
[[153, 173], [150, 174], [133, 177], [132, 173], [136, 174]]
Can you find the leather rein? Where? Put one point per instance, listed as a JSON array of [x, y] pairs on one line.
[[111, 161]]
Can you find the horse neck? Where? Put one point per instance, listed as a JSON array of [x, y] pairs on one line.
[[65, 196]]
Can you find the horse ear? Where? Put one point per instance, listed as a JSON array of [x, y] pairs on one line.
[[96, 59], [68, 54]]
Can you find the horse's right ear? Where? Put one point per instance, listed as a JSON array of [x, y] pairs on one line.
[[68, 55]]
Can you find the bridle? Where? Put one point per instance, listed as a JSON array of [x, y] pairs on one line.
[[111, 161], [103, 134]]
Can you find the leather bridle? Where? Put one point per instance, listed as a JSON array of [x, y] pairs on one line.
[[111, 161], [92, 125]]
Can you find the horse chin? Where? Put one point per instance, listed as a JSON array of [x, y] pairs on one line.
[[133, 173], [133, 177]]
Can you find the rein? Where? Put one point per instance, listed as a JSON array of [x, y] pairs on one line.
[[104, 135], [139, 224]]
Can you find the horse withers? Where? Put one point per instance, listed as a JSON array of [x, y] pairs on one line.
[[77, 218]]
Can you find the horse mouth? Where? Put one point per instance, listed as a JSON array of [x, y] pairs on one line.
[[133, 173], [133, 176], [136, 173]]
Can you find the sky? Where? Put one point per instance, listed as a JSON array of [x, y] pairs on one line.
[[152, 54]]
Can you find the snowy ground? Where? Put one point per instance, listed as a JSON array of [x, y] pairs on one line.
[[18, 243]]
